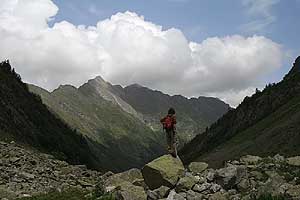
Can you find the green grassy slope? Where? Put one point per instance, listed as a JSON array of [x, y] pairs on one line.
[[25, 119], [263, 124], [119, 139]]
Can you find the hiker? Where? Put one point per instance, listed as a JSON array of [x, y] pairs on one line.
[[169, 125]]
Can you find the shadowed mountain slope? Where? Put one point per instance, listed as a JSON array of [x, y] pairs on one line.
[[266, 123], [26, 120]]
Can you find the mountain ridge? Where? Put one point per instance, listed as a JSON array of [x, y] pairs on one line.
[[101, 111]]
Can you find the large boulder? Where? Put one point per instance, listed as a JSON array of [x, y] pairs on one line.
[[165, 170]]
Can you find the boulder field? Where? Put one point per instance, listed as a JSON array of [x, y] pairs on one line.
[[26, 173], [250, 177]]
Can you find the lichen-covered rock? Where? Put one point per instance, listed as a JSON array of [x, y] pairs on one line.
[[165, 170], [191, 195], [202, 187], [131, 176], [218, 196], [186, 183], [128, 191], [294, 161], [158, 193], [197, 167]]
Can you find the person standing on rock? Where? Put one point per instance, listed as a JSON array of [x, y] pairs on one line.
[[169, 126]]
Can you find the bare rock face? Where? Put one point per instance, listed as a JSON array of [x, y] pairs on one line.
[[165, 170]]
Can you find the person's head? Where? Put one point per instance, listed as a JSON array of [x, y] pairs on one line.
[[171, 111]]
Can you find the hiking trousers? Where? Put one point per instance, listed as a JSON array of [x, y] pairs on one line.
[[171, 142]]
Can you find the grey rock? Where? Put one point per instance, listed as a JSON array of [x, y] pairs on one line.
[[162, 191], [202, 187], [230, 176], [293, 192], [191, 195], [243, 185], [294, 161], [218, 196], [215, 188], [279, 159], [210, 175], [250, 160]]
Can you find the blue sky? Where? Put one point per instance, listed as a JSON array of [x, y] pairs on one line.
[[221, 48], [198, 19]]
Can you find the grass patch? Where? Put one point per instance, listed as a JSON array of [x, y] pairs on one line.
[[70, 195]]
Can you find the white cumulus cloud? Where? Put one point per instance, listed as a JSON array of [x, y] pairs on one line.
[[127, 49]]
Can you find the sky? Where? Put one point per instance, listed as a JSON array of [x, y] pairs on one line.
[[220, 48]]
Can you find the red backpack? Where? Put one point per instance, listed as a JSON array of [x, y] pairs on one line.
[[168, 123]]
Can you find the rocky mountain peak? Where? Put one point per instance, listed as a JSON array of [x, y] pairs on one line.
[[99, 82]]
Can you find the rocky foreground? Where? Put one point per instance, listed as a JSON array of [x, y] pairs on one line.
[[249, 178], [26, 173]]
